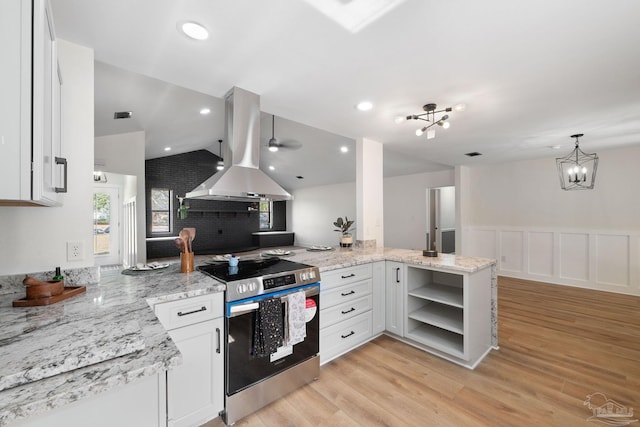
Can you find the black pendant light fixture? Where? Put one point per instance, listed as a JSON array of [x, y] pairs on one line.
[[220, 164], [429, 116], [577, 170]]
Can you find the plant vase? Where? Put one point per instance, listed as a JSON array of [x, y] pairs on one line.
[[346, 240]]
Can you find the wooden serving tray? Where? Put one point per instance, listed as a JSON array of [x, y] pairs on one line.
[[68, 292]]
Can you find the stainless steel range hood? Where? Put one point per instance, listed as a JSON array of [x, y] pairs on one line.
[[241, 179]]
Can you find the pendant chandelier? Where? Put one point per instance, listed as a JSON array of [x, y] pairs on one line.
[[429, 116], [577, 170]]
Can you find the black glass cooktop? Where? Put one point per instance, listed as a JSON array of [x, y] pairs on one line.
[[250, 268]]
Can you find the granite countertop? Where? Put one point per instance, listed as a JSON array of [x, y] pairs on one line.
[[57, 354]]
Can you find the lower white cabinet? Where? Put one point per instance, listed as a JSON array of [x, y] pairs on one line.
[[137, 404], [394, 297], [346, 303], [449, 313], [195, 389], [378, 296]]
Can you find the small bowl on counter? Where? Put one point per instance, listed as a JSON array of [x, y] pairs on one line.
[[42, 289]]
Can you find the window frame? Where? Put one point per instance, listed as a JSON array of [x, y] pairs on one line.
[[269, 211], [169, 211]]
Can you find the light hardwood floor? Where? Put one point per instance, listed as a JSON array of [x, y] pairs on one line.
[[557, 345]]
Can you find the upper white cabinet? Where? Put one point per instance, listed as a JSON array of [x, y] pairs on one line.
[[33, 170]]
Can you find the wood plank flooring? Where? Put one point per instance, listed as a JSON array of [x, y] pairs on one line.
[[557, 345]]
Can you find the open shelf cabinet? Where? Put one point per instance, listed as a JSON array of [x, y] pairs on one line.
[[449, 312]]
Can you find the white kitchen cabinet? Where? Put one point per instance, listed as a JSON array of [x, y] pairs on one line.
[[449, 314], [33, 170], [195, 389], [395, 297], [137, 404], [378, 294], [346, 318]]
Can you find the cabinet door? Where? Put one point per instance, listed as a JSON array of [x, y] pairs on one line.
[[15, 100], [379, 292], [195, 389], [46, 103], [395, 290]]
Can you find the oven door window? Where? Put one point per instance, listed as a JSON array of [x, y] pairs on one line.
[[245, 369]]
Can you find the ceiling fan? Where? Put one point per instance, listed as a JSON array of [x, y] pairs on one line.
[[275, 144]]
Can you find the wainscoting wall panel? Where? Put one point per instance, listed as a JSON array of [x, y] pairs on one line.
[[613, 263], [511, 255], [594, 259], [541, 244], [574, 256]]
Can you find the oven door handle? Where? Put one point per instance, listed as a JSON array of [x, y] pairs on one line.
[[243, 308]]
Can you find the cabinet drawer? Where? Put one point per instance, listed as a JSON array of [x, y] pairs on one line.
[[345, 293], [333, 278], [341, 337], [188, 311], [344, 311]]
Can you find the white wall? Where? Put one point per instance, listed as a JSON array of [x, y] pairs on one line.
[[405, 207], [518, 214], [124, 154], [315, 209], [34, 238], [369, 192]]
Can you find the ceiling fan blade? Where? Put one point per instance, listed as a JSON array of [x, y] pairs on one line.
[[290, 144]]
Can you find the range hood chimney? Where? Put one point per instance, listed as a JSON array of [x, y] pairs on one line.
[[241, 179]]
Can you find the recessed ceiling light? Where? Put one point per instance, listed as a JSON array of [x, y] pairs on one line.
[[364, 106], [205, 111], [554, 147], [271, 168], [473, 154], [194, 30], [167, 148], [344, 149], [300, 177]]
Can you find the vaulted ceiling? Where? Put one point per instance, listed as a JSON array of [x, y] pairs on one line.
[[531, 73]]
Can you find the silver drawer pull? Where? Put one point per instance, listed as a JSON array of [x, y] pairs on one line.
[[348, 311], [348, 275], [348, 335], [203, 308], [348, 293]]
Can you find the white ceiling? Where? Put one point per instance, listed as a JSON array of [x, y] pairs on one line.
[[530, 72]]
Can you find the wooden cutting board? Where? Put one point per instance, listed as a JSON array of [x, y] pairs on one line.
[[68, 292]]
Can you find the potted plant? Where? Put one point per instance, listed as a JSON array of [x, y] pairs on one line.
[[343, 226]]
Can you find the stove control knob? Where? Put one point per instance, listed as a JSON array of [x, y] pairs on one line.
[[312, 274], [252, 286], [304, 276]]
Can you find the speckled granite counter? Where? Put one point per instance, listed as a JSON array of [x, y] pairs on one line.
[[122, 302], [117, 303]]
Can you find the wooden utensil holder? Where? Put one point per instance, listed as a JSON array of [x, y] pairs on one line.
[[186, 262]]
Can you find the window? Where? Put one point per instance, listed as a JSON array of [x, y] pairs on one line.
[[266, 220], [161, 221]]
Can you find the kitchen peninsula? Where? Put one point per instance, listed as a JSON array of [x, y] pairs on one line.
[[119, 302]]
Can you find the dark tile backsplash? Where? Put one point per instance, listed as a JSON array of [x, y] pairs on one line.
[[221, 226]]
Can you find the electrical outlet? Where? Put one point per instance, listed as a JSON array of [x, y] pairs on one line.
[[74, 251], [504, 258]]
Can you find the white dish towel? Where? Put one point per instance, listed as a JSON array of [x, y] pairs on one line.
[[296, 306]]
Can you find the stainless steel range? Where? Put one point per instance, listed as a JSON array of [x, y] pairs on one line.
[[272, 313]]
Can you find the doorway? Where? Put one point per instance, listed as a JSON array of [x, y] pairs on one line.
[[441, 219], [106, 225]]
